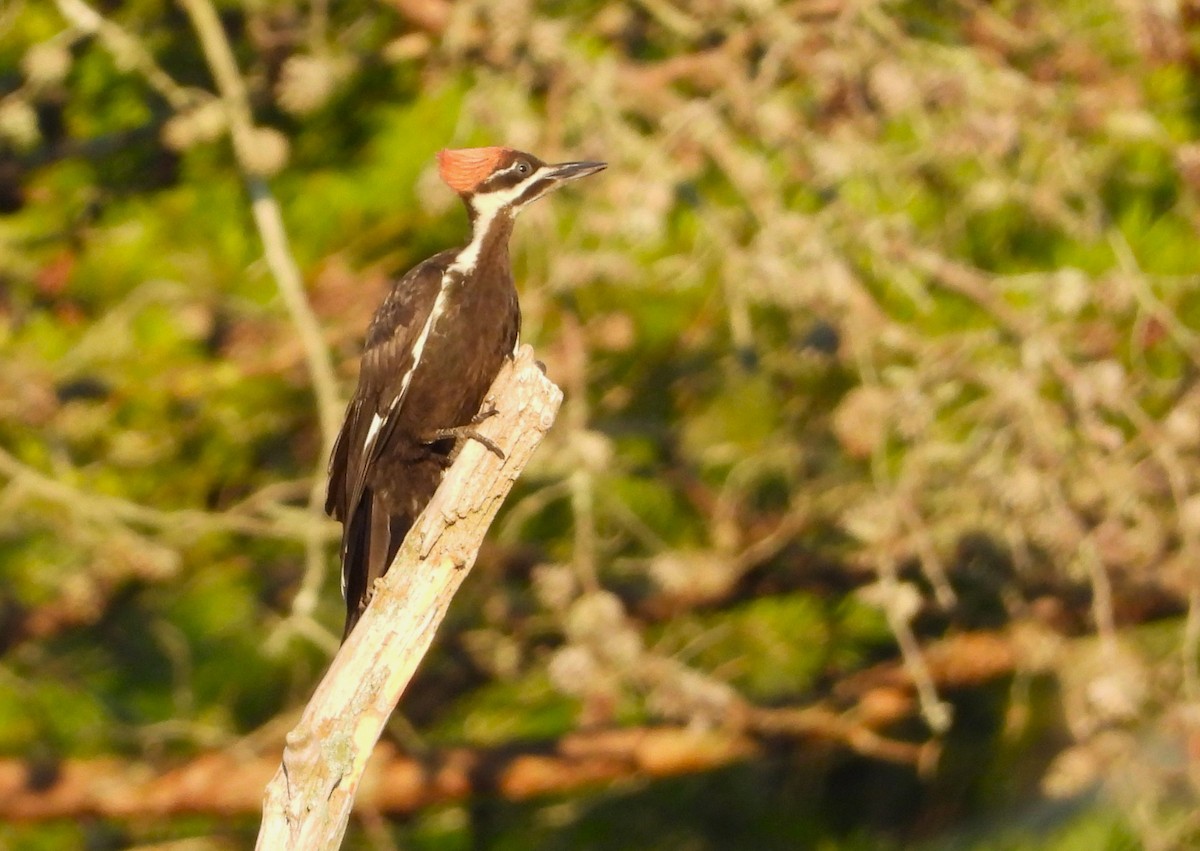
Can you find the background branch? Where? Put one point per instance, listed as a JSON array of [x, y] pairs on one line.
[[875, 702], [270, 520], [269, 221], [130, 49]]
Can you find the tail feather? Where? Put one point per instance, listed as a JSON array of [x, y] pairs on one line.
[[356, 544], [370, 542], [375, 530]]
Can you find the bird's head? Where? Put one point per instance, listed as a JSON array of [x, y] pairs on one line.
[[495, 179]]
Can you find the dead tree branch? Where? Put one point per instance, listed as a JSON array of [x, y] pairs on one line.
[[307, 804]]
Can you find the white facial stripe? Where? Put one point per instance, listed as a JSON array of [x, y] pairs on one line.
[[544, 171]]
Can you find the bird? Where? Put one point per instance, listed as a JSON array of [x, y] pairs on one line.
[[430, 355]]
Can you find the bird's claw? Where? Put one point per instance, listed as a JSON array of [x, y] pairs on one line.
[[488, 411], [467, 432]]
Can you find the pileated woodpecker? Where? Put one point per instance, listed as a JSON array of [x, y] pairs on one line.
[[432, 351]]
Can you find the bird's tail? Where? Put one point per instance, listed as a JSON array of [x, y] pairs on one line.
[[370, 540], [373, 533]]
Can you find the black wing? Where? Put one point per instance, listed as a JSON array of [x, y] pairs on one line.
[[369, 535]]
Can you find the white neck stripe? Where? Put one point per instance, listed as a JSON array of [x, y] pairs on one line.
[[486, 206]]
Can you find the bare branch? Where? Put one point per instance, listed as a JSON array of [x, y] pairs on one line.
[[131, 51], [269, 221], [267, 520], [267, 216], [308, 803]]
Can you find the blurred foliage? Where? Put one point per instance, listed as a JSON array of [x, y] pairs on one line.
[[882, 326]]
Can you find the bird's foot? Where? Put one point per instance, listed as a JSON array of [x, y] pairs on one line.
[[468, 432], [488, 410]]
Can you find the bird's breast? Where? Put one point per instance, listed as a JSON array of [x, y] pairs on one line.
[[474, 329]]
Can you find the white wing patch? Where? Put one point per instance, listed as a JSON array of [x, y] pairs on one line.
[[378, 420]]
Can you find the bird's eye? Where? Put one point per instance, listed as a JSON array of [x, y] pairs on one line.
[[522, 167]]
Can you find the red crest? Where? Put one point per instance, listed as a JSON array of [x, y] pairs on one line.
[[465, 168]]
